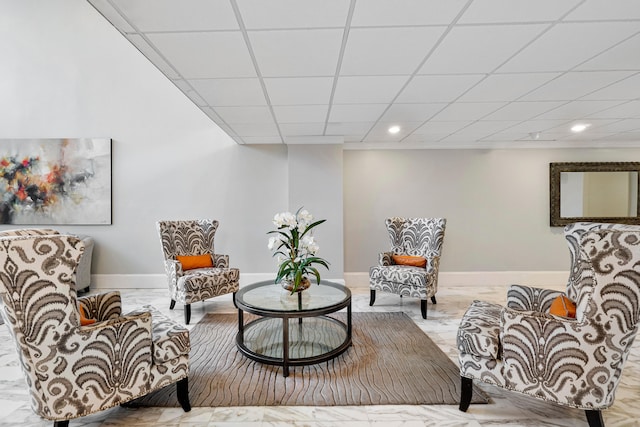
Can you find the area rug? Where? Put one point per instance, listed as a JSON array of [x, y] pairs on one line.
[[391, 362]]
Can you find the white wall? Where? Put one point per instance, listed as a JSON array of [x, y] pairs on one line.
[[496, 203]]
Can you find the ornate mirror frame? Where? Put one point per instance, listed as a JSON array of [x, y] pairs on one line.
[[555, 169]]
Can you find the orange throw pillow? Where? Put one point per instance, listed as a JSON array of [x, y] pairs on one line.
[[189, 262], [413, 261], [563, 307], [84, 320]]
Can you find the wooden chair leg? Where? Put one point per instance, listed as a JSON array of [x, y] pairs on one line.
[[594, 418], [465, 393], [372, 297], [182, 387], [187, 313], [423, 308], [433, 299], [61, 423], [172, 304]]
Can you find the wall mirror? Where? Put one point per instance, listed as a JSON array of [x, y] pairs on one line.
[[594, 192]]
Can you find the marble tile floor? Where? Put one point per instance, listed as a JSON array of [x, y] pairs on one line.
[[506, 408]]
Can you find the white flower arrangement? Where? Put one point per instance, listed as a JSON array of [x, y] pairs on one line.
[[295, 247]]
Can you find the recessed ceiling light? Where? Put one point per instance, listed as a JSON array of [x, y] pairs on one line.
[[579, 127], [394, 129]]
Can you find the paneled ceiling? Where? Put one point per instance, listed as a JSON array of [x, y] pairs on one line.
[[448, 73]]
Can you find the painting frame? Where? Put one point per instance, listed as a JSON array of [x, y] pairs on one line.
[[56, 181]]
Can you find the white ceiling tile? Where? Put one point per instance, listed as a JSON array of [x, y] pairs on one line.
[[411, 112], [468, 110], [464, 49], [272, 14], [297, 52], [485, 128], [349, 128], [182, 85], [429, 89], [198, 55], [523, 110], [300, 113], [532, 126], [230, 92], [622, 110], [606, 10], [387, 51], [356, 112], [171, 15], [575, 85], [442, 128], [621, 57], [625, 136], [298, 129], [506, 87], [566, 45], [368, 89], [625, 89], [153, 56], [299, 90], [565, 129], [405, 12], [255, 129], [577, 109], [626, 125], [245, 114], [494, 11]]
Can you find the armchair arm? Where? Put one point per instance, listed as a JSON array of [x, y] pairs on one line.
[[385, 259], [105, 306], [527, 298], [220, 260]]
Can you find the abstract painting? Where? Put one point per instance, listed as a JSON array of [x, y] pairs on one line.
[[55, 181]]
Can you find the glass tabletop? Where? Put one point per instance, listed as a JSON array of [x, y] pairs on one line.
[[269, 296]]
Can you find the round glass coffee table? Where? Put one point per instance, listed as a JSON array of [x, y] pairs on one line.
[[293, 330]]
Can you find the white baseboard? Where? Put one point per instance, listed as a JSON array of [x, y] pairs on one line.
[[353, 280]]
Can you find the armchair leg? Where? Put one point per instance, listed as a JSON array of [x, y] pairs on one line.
[[433, 299], [182, 387], [187, 313], [172, 304], [465, 393], [61, 423], [372, 297], [423, 308], [594, 418]]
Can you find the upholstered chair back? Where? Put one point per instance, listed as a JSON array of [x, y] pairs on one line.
[[416, 236], [29, 232], [190, 237], [609, 293], [37, 287], [573, 234]]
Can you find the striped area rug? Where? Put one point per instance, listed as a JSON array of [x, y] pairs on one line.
[[391, 362]]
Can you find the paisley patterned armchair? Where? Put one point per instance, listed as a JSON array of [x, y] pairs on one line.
[[575, 362], [83, 275], [414, 237], [71, 369], [194, 238]]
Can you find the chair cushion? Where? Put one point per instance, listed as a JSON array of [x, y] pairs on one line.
[[562, 306], [201, 278], [411, 276], [414, 261], [479, 331], [190, 262], [170, 339]]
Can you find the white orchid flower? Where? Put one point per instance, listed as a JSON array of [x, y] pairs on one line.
[[304, 217], [273, 241]]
